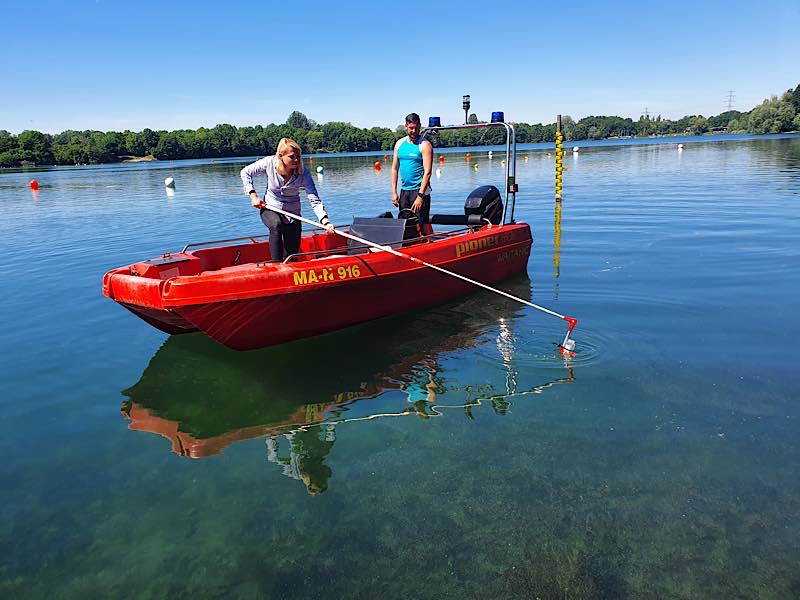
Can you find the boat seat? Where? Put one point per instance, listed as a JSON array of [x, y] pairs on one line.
[[378, 230]]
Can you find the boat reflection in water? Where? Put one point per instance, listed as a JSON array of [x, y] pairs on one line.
[[204, 397]]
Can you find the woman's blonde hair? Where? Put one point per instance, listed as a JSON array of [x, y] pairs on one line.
[[285, 146]]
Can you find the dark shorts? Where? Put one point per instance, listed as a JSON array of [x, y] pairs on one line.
[[408, 197]]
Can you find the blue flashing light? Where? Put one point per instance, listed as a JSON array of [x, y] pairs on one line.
[[498, 117], [434, 122]]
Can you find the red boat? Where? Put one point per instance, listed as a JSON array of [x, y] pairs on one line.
[[235, 295]]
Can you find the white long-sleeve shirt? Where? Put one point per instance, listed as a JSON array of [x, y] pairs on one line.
[[282, 194]]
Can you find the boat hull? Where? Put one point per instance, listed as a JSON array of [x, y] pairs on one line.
[[255, 305]]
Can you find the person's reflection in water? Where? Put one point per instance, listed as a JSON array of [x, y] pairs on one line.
[[424, 387], [405, 367], [307, 453]]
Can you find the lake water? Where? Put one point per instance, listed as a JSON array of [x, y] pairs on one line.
[[449, 453]]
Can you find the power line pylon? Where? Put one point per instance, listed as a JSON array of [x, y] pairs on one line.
[[729, 101]]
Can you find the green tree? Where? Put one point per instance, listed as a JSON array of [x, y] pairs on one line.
[[698, 125], [795, 99], [72, 147], [148, 140], [169, 146], [245, 142], [140, 144], [723, 119], [772, 116], [11, 158], [107, 146], [220, 141], [7, 141], [36, 147], [299, 121]]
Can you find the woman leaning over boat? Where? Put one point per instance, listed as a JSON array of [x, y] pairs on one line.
[[285, 176]]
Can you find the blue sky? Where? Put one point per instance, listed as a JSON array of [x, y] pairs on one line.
[[115, 65]]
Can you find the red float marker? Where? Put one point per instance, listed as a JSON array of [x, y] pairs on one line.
[[377, 165], [34, 184]]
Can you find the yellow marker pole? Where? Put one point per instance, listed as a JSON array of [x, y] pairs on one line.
[[559, 158]]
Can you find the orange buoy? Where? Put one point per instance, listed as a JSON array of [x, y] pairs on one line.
[[441, 158], [34, 184], [377, 165], [385, 157]]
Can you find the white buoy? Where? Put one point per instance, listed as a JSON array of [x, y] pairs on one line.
[[438, 173], [320, 169], [576, 149], [490, 154], [680, 147], [169, 182]]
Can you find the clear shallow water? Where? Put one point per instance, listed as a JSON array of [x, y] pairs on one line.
[[448, 453]]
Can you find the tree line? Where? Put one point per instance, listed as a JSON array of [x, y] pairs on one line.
[[774, 115]]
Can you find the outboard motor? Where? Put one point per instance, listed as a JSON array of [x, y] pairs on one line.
[[486, 203]]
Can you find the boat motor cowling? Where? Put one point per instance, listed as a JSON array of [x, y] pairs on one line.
[[485, 202]]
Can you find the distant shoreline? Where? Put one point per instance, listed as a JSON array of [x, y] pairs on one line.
[[523, 147]]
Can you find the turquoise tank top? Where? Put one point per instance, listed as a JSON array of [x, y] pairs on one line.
[[411, 168]]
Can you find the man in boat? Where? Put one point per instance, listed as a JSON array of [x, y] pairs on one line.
[[413, 159]]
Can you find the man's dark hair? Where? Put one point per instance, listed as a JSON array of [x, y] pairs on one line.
[[412, 118]]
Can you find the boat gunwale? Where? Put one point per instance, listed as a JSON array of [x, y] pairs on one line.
[[267, 271]]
